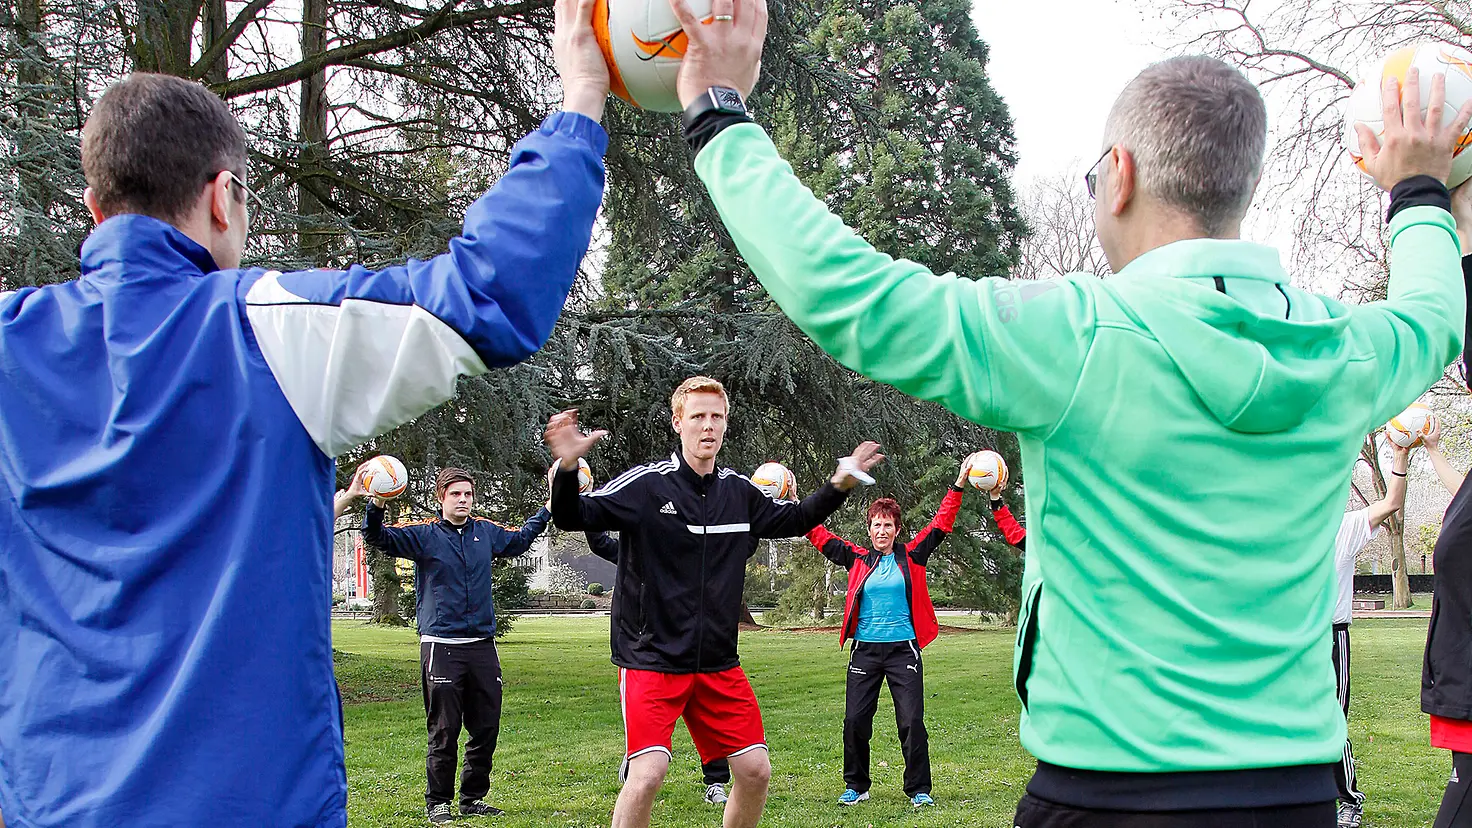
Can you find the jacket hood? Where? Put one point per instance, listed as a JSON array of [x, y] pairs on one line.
[[1256, 369]]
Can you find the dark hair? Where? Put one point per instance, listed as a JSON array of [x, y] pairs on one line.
[[885, 507], [1198, 129], [152, 142], [449, 477]]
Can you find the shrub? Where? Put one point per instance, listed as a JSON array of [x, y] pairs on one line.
[[595, 588]]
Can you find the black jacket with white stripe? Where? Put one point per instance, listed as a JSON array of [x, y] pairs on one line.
[[683, 544]]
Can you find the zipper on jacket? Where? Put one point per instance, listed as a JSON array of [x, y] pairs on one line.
[[700, 612]]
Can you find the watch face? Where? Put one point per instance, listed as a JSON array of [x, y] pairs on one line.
[[729, 99]]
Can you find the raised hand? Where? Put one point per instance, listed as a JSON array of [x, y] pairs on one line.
[[567, 442], [854, 469], [965, 470], [725, 49], [580, 62], [1412, 145]]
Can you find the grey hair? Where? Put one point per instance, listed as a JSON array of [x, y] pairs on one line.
[[1198, 130]]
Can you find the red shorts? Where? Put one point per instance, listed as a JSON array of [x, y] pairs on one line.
[[1451, 734], [719, 708]]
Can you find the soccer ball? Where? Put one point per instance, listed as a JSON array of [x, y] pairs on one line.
[[1431, 59], [643, 44], [986, 470], [385, 477], [585, 476], [775, 480], [1407, 428]]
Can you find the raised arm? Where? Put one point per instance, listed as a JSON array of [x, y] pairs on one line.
[[358, 352], [520, 541], [931, 536], [1450, 477], [1002, 354], [1011, 529], [615, 506], [396, 542], [832, 547], [780, 519], [1417, 331], [1395, 490]]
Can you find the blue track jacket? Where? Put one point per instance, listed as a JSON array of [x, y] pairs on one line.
[[452, 567], [167, 435]]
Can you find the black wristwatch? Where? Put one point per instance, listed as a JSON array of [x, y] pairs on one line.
[[722, 99]]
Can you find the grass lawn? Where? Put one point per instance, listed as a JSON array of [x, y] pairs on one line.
[[562, 739]]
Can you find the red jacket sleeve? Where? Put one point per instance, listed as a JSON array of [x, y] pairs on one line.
[[930, 537], [1011, 529], [833, 547]]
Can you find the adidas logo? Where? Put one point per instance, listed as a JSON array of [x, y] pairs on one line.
[[668, 508]]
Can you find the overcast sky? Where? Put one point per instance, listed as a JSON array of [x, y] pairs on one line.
[[1059, 64]]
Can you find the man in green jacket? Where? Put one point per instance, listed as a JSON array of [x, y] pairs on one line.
[[1172, 653]]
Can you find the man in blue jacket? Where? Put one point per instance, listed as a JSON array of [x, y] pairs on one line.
[[460, 672], [168, 424]]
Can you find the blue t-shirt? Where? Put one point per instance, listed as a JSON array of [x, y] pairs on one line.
[[884, 614]]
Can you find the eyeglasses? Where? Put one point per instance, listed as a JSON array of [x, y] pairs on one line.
[[250, 194], [1091, 178]]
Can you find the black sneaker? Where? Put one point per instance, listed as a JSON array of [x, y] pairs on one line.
[[479, 808], [440, 814]]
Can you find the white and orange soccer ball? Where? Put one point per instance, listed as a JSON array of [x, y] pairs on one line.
[[643, 43], [385, 477], [1431, 59], [585, 476], [775, 480], [986, 470], [1409, 427]]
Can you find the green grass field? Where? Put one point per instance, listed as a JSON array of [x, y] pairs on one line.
[[561, 737]]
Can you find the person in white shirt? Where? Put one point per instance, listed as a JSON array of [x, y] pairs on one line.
[[1357, 529]]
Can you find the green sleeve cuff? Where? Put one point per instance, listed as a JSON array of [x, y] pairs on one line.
[[1424, 216]]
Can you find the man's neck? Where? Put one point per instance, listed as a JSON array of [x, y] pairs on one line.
[[452, 521], [700, 467], [1168, 227]]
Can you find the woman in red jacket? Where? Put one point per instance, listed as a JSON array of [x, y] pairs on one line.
[[889, 615]]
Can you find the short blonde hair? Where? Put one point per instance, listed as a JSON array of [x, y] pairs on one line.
[[696, 385]]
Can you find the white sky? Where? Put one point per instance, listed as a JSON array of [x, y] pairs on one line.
[[1059, 65]]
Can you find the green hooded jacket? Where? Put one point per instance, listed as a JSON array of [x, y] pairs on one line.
[[1187, 455]]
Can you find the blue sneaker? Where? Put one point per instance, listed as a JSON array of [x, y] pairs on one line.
[[852, 797], [920, 800]]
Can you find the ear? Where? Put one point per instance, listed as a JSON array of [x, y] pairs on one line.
[[90, 199], [1122, 181], [675, 422], [220, 200]]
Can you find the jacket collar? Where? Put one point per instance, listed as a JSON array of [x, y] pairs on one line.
[[445, 522], [698, 481], [133, 244], [1206, 258]]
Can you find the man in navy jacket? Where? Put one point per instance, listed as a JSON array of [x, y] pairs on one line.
[[460, 671], [168, 424]]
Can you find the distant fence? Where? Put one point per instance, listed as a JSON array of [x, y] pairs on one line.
[[1381, 584]]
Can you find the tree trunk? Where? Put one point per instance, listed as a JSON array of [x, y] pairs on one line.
[[1399, 579], [746, 616], [386, 589], [33, 195], [312, 133], [163, 38], [1394, 527], [215, 23]]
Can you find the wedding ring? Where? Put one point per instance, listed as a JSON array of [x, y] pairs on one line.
[[723, 18]]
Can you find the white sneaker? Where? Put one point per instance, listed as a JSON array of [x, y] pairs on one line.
[[1350, 815], [716, 794]]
